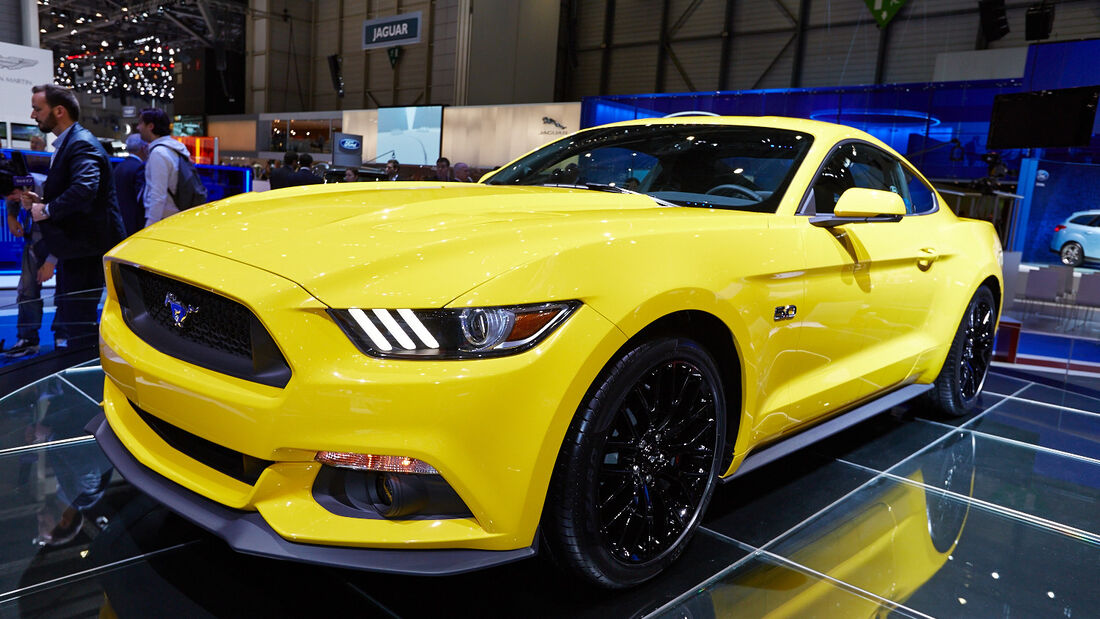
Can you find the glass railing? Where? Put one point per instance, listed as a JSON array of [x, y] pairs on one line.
[[1050, 325]]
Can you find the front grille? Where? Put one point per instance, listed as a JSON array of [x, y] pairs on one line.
[[216, 333], [220, 324], [239, 466]]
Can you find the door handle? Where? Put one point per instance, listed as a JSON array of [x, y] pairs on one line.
[[926, 257]]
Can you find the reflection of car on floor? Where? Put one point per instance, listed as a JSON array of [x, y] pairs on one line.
[[430, 379], [1077, 239], [887, 540]]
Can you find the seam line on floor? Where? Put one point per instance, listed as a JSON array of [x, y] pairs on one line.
[[1052, 405], [68, 382], [1026, 445], [16, 594], [1008, 512], [847, 586], [37, 446]]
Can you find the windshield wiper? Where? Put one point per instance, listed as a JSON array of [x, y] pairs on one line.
[[612, 189]]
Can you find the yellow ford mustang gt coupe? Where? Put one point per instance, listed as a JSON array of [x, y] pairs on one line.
[[431, 378]]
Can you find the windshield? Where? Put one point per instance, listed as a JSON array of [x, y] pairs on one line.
[[714, 166]]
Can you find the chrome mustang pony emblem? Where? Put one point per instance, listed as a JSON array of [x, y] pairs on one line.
[[180, 311]]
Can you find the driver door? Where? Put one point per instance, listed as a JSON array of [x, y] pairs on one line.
[[870, 287]]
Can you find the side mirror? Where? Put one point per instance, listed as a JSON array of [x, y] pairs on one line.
[[860, 202], [858, 205]]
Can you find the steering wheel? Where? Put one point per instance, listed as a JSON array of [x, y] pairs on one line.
[[744, 190]]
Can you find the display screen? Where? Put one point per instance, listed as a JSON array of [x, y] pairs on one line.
[[1043, 119], [411, 135], [24, 132], [188, 125]]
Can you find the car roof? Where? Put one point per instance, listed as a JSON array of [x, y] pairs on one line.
[[817, 128]]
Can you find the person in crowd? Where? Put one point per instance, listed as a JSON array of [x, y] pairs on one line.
[[393, 170], [161, 164], [305, 175], [351, 175], [37, 265], [443, 170], [130, 184], [281, 177], [38, 143], [462, 173], [77, 214]]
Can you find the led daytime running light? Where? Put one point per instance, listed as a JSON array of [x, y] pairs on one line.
[[452, 333], [371, 462]]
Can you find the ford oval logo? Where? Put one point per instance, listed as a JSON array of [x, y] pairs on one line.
[[349, 144]]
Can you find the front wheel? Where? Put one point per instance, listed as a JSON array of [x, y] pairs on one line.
[[1072, 254], [638, 465], [956, 390]]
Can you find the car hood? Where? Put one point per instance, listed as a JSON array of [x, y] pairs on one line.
[[402, 244]]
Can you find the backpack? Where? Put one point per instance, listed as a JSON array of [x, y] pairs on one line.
[[189, 188]]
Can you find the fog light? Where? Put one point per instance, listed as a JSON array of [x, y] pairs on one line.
[[371, 462], [398, 495]]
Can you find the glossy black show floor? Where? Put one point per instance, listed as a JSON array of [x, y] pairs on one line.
[[989, 516]]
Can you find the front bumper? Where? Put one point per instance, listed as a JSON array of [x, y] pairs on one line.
[[248, 533]]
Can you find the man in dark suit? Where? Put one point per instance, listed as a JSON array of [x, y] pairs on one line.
[[305, 175], [77, 213], [282, 177], [393, 170], [130, 184]]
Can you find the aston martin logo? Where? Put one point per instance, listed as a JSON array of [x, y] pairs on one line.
[[180, 311], [16, 62]]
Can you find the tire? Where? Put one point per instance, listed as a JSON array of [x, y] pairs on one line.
[[1072, 254], [638, 465], [956, 389]]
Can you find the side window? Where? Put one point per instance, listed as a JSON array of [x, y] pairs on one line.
[[1083, 220], [921, 198], [832, 181], [856, 165]]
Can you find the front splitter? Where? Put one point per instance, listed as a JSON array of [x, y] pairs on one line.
[[247, 532]]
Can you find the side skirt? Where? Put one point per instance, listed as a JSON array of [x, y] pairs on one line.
[[824, 430]]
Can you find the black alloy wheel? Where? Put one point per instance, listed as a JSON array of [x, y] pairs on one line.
[[639, 464], [656, 462], [977, 352], [956, 390], [1072, 254]]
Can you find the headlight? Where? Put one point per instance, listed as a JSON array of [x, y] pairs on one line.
[[466, 333]]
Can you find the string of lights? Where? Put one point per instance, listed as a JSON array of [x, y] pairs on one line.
[[119, 48], [143, 68]]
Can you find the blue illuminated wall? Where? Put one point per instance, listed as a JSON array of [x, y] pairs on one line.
[[940, 127]]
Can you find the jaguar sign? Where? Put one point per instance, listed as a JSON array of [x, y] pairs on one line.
[[392, 31]]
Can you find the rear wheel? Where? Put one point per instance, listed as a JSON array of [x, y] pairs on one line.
[[1072, 254], [956, 390], [639, 464]]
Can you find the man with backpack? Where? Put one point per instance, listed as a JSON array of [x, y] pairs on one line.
[[171, 182]]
